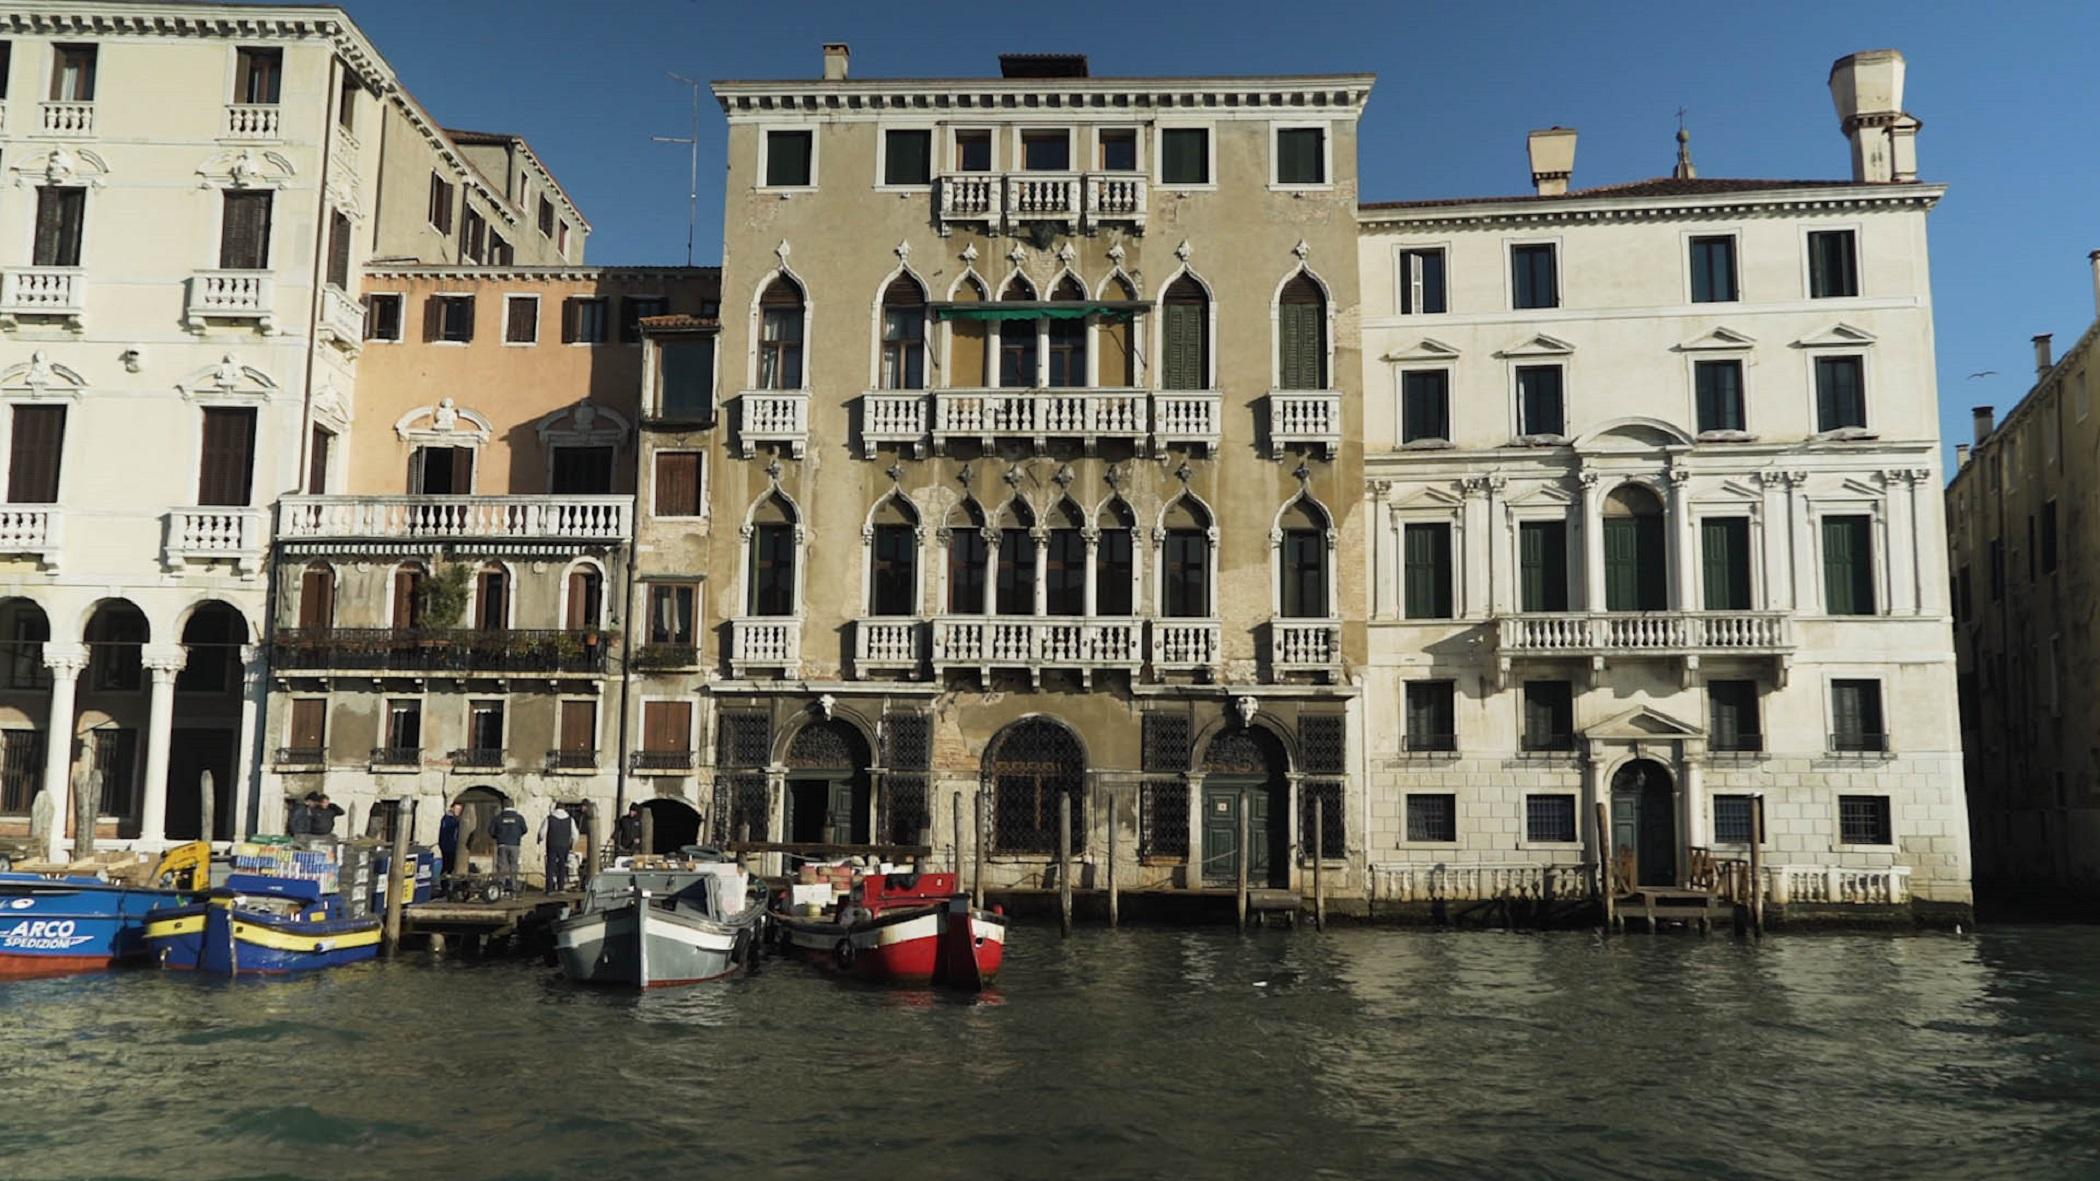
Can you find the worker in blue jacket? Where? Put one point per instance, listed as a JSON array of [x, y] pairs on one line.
[[508, 830], [448, 838]]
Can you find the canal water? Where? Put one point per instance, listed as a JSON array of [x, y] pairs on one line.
[[1141, 1052]]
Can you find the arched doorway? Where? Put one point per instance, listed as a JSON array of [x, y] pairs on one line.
[[479, 805], [206, 726], [1636, 551], [827, 785], [1644, 822], [1249, 768], [25, 685], [673, 824], [1026, 768], [114, 711]]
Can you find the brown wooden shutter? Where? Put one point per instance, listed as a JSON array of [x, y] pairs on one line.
[[226, 467], [309, 723], [524, 321], [339, 251], [59, 213], [406, 612], [462, 470], [433, 318], [579, 726], [244, 232], [33, 454], [577, 617], [678, 484], [571, 314], [317, 599], [317, 461], [667, 725]]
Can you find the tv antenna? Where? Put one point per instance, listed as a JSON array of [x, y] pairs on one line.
[[692, 194]]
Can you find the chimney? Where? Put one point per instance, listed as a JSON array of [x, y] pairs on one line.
[[1868, 90], [836, 57], [1552, 159], [2042, 358], [2094, 259], [1983, 417], [1961, 455]]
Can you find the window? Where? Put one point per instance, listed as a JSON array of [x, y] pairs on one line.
[[1064, 562], [449, 318], [579, 733], [671, 612], [338, 250], [441, 471], [440, 203], [1735, 819], [244, 231], [1066, 352], [1549, 819], [772, 560], [678, 483], [585, 606], [116, 638], [404, 725], [686, 380], [1542, 562], [1301, 155], [636, 308], [485, 726], [1833, 266], [316, 597], [1636, 551], [491, 598], [1303, 561], [780, 336], [1841, 398], [2048, 539], [1855, 716], [907, 157], [788, 159], [307, 738], [408, 595], [903, 335], [966, 563], [6, 58], [1432, 817], [1185, 340], [973, 151], [581, 471], [561, 239], [583, 320], [60, 214], [1432, 723], [1184, 156], [1427, 559], [1549, 716], [1540, 405], [546, 218], [35, 442], [1534, 276], [1115, 561], [667, 726], [1185, 562], [383, 318], [1017, 341], [1046, 151], [1713, 269], [227, 464], [1848, 565], [1118, 150], [893, 556], [72, 73], [1301, 345], [1421, 282], [1013, 586], [1425, 405], [1864, 820], [1718, 392], [521, 319], [1724, 544], [346, 103], [1732, 722], [257, 75]]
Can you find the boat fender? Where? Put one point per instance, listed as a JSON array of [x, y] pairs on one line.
[[842, 955]]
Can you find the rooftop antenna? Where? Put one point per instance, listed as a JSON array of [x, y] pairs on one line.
[[692, 195]]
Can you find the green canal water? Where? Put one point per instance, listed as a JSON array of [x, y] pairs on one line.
[[1143, 1052]]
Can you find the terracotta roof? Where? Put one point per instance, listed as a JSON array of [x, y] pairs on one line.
[[1660, 186]]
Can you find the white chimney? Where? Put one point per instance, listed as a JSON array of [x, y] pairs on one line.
[[2042, 358], [1552, 159], [1961, 455], [2094, 259], [836, 58], [1983, 418], [1868, 90]]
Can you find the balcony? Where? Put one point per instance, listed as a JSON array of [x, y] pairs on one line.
[[1006, 200], [1088, 415], [780, 417], [230, 295], [1600, 636], [301, 756], [1186, 418], [43, 292], [1305, 418], [595, 519], [666, 657], [892, 645], [1116, 197], [1042, 196], [252, 121], [662, 762], [1037, 642], [34, 529], [211, 533], [894, 418], [477, 758], [68, 118], [1302, 646], [765, 642], [571, 761], [441, 650], [1185, 645], [342, 320], [397, 756]]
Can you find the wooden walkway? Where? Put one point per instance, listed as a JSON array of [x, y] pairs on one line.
[[475, 922], [1655, 905]]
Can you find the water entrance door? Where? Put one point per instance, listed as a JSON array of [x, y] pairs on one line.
[[1644, 821]]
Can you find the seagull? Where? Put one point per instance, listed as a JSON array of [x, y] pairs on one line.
[[1983, 373]]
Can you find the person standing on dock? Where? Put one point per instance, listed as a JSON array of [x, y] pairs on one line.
[[627, 832], [558, 831], [448, 838], [508, 830]]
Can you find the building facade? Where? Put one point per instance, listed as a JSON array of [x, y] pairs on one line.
[[1656, 544]]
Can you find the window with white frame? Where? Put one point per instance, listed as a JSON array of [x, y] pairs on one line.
[[1422, 287], [1185, 156], [1300, 156], [790, 159], [521, 319]]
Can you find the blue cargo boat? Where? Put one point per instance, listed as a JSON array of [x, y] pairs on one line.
[[283, 910], [52, 925]]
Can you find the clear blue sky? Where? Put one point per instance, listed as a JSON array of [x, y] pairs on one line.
[[2007, 93]]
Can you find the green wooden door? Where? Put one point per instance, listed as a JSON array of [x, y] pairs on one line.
[[838, 814], [1221, 835]]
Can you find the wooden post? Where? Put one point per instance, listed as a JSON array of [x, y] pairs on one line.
[[1604, 882], [1112, 899], [207, 807], [85, 802], [396, 875], [648, 833], [1242, 869], [743, 837], [977, 851], [1319, 863], [1757, 864], [1064, 864], [957, 863]]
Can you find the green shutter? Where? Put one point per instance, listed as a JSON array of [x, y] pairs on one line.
[[1725, 545], [1621, 564], [1543, 566], [1428, 561], [1300, 351], [1182, 365], [1848, 567]]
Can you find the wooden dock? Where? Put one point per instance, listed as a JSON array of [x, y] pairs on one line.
[[1655, 905], [476, 926]]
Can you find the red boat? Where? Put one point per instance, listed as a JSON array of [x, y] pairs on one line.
[[899, 928]]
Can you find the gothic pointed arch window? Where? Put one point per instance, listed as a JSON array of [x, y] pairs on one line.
[[1013, 589], [967, 351], [1185, 336], [1065, 339], [1115, 559], [1017, 339], [771, 562], [1117, 365], [780, 324], [1185, 561], [893, 558], [1302, 560], [903, 365], [967, 557], [1301, 335], [1064, 561]]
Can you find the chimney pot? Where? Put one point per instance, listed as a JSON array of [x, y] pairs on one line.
[[2094, 260], [1961, 455], [1552, 154], [1983, 418], [1867, 89], [2042, 357], [836, 58]]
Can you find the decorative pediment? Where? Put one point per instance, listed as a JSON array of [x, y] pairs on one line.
[[330, 405], [1854, 486], [1719, 340], [246, 168], [228, 378], [1633, 434], [62, 165], [1539, 345], [1427, 349], [1538, 495], [1641, 724], [1729, 490], [583, 423], [42, 377], [1837, 336], [444, 425], [1438, 497]]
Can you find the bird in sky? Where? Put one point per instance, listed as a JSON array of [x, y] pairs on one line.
[[1983, 373]]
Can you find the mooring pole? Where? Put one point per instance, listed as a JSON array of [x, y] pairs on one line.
[[1242, 867], [956, 862], [743, 837], [977, 852], [1604, 883], [648, 845], [1112, 863], [207, 807], [395, 875], [1757, 865], [1064, 864], [1319, 863]]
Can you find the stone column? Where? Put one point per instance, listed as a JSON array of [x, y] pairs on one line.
[[1801, 545], [991, 569], [1921, 582], [254, 666], [1499, 539], [1592, 542], [1684, 541], [1092, 537], [1041, 537], [65, 662], [1692, 798], [1475, 513], [1381, 553], [1775, 527], [162, 663]]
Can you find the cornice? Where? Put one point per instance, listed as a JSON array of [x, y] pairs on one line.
[[1521, 211], [1345, 93], [552, 273]]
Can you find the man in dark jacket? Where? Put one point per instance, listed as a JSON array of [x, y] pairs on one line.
[[321, 821], [627, 834], [508, 830], [448, 838], [559, 833], [301, 819]]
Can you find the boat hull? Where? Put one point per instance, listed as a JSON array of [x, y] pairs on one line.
[[59, 926], [636, 945], [226, 940], [944, 943]]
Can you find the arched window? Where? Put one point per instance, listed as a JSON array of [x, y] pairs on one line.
[[1014, 583], [317, 597], [966, 559], [771, 576], [1185, 336], [408, 594], [893, 560], [1636, 557], [1066, 337], [1064, 562], [1118, 367], [492, 598], [211, 641], [966, 340], [1115, 560], [1017, 343], [780, 336], [1301, 342], [1027, 767], [586, 598], [1185, 562], [903, 335], [1303, 561]]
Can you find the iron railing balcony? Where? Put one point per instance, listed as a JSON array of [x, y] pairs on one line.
[[397, 756], [1858, 743], [572, 760], [432, 650], [666, 657], [301, 756], [662, 762], [477, 757]]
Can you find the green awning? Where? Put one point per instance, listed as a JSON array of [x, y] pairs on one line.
[[1033, 310]]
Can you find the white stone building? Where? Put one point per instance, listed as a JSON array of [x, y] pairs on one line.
[[1657, 466]]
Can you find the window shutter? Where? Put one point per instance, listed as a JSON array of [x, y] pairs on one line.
[[1428, 571], [1621, 564], [433, 318], [1182, 354], [1848, 569], [34, 450], [1845, 714], [244, 231], [317, 454], [406, 613], [309, 723], [316, 600], [577, 617], [678, 484], [462, 470], [571, 319], [1543, 565], [59, 212], [339, 251], [1301, 359], [578, 727], [226, 464]]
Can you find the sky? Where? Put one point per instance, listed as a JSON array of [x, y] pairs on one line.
[[2007, 93]]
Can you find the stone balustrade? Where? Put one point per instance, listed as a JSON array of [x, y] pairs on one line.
[[1183, 645], [418, 518], [765, 642], [896, 417], [1305, 645], [773, 416], [43, 291], [1003, 199], [1662, 633], [230, 295], [1036, 642], [1116, 196], [34, 529], [68, 118], [1183, 418], [1088, 415], [253, 121], [891, 645], [1479, 881], [1305, 418], [208, 533], [342, 320]]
